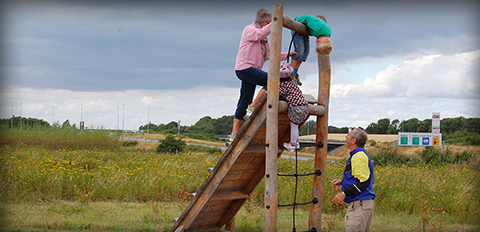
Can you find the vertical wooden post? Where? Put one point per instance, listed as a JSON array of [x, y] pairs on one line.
[[271, 141], [315, 219]]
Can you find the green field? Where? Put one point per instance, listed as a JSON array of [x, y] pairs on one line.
[[50, 181]]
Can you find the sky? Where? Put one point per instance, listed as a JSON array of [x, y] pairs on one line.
[[121, 64]]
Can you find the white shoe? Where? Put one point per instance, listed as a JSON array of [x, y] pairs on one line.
[[289, 147]]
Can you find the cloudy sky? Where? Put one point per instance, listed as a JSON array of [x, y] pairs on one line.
[[124, 63]]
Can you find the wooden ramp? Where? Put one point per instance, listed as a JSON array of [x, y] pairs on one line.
[[235, 176]]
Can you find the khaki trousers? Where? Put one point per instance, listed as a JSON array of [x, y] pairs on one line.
[[359, 216]]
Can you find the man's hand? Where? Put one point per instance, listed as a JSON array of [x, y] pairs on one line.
[[337, 183], [339, 197]]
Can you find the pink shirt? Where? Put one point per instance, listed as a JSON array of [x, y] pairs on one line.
[[250, 50]]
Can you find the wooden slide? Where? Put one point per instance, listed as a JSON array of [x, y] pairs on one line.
[[236, 174]]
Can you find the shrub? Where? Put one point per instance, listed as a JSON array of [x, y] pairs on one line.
[[462, 156], [171, 145], [387, 157], [432, 155], [130, 143]]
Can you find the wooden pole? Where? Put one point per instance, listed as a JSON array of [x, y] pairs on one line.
[[296, 26], [315, 218], [271, 141]]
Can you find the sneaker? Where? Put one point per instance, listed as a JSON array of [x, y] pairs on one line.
[[297, 146], [296, 79], [289, 147], [231, 138], [250, 109]]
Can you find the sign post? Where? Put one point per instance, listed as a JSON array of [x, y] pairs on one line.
[[422, 138], [435, 122]]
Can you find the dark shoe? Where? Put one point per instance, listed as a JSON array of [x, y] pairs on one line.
[[296, 79]]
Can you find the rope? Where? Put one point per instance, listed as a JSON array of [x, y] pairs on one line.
[[290, 47], [295, 203]]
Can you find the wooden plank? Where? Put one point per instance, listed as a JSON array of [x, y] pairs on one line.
[[271, 198], [238, 175], [230, 226], [236, 184], [204, 229], [315, 216], [246, 166], [212, 217], [229, 196]]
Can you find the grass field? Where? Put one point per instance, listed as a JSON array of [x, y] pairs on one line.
[[107, 189]]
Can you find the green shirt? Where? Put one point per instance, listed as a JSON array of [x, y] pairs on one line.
[[316, 26]]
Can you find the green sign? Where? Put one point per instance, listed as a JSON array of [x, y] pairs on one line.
[[415, 141]]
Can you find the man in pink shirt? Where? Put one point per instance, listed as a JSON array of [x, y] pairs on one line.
[[252, 53]]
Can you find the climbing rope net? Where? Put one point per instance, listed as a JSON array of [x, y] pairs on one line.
[[295, 203]]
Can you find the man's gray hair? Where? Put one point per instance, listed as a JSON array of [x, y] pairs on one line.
[[361, 137], [263, 14]]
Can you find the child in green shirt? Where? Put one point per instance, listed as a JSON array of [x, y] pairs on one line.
[[301, 45]]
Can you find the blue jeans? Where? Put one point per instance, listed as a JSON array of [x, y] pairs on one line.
[[301, 44], [250, 77]]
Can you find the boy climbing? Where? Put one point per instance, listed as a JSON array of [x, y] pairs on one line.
[[301, 43]]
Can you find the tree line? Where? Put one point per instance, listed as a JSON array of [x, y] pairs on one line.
[[223, 126]]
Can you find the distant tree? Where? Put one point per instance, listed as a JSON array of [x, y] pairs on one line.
[[381, 127], [393, 127], [425, 125], [66, 124], [450, 125], [472, 125], [26, 123], [204, 125], [223, 125], [171, 145], [410, 125], [333, 129], [150, 127]]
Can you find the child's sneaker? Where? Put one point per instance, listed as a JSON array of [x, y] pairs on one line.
[[231, 138], [297, 146], [289, 147], [296, 79]]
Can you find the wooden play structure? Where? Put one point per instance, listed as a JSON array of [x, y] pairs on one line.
[[253, 155]]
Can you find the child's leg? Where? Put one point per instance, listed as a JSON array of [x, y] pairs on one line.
[[301, 45], [294, 133], [296, 64]]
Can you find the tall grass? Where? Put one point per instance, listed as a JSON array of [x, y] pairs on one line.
[[38, 173], [32, 175], [56, 138]]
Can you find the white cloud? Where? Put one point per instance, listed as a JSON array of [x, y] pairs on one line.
[[432, 76]]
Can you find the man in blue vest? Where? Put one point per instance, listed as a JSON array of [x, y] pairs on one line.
[[357, 184]]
